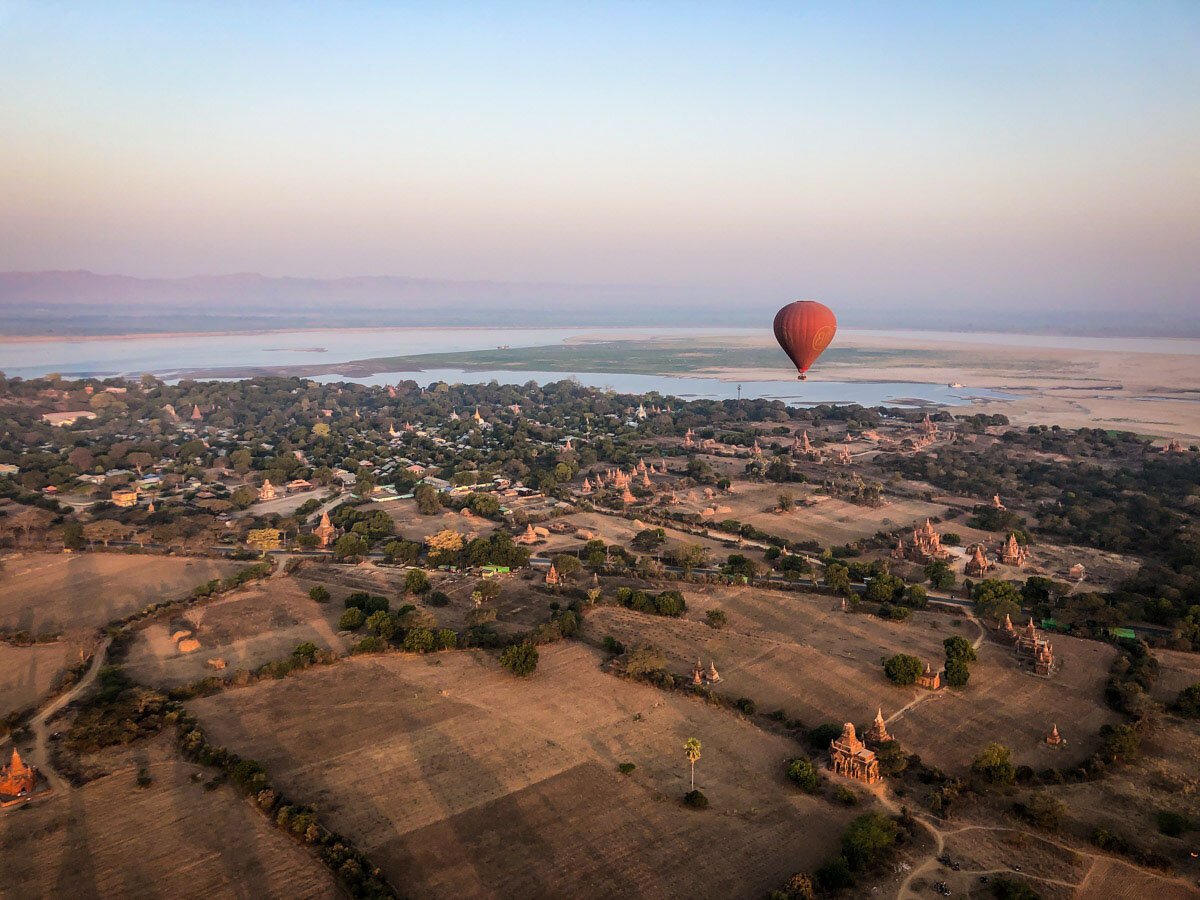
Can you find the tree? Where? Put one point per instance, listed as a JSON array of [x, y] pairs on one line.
[[957, 672], [689, 556], [867, 839], [349, 546], [264, 539], [319, 593], [444, 546], [351, 619], [104, 530], [837, 577], [381, 623], [914, 597], [645, 660], [520, 659], [939, 575], [73, 538], [995, 599], [1188, 702], [567, 566], [958, 647], [306, 651], [416, 582], [419, 640], [884, 588], [903, 669], [716, 618], [648, 539], [994, 765], [428, 502], [691, 749], [803, 774]]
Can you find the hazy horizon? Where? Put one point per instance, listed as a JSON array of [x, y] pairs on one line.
[[903, 159]]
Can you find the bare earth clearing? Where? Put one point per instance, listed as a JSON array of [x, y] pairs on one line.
[[462, 780], [1176, 670], [171, 839], [254, 625], [413, 526], [47, 591]]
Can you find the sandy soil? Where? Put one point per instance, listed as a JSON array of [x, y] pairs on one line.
[[171, 839], [47, 591], [412, 526], [1176, 670], [462, 780]]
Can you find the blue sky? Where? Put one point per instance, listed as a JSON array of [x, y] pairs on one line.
[[891, 152]]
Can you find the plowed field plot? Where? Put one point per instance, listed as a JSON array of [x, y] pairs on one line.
[[28, 673], [460, 779]]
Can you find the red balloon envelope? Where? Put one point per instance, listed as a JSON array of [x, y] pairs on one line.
[[804, 329]]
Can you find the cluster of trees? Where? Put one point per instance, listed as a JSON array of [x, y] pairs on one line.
[[959, 656], [1110, 490], [666, 603]]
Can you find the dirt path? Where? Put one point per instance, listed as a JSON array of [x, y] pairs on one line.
[[39, 724], [930, 695]]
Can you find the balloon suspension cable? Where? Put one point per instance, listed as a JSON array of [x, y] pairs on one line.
[[802, 377]]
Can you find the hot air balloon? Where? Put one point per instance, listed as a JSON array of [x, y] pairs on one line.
[[804, 329]]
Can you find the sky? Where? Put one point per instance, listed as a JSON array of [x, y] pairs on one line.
[[894, 154]]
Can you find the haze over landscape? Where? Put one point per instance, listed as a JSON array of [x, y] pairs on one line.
[[1010, 166]]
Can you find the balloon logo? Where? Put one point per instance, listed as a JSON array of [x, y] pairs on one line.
[[804, 329]]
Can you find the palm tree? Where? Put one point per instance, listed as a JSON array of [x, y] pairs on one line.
[[691, 749]]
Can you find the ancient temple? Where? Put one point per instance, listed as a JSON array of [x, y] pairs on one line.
[[197, 416], [756, 449], [848, 756], [552, 577], [267, 491], [528, 536], [1054, 739], [713, 677], [587, 486], [1032, 648], [325, 531], [929, 679], [1013, 554], [17, 780], [996, 504], [978, 565], [688, 441], [878, 733], [628, 497], [926, 545], [1173, 447], [929, 427], [843, 456]]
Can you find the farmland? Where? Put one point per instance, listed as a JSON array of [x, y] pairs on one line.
[[472, 747]]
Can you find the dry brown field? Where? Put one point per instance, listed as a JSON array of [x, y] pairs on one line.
[[1128, 800], [413, 526], [247, 628], [29, 673], [1006, 704], [800, 653], [459, 779], [42, 592], [1176, 670], [618, 530], [828, 521], [174, 838]]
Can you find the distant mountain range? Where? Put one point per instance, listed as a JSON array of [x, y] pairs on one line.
[[87, 303]]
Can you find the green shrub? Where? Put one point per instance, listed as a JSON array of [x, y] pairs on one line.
[[306, 651], [868, 839], [802, 773], [419, 640], [520, 659], [833, 876], [370, 644], [417, 582], [352, 619], [957, 673], [437, 599], [846, 796], [626, 768], [716, 618], [319, 592], [612, 645], [746, 705], [903, 669], [447, 639], [994, 765], [1188, 702], [821, 736]]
